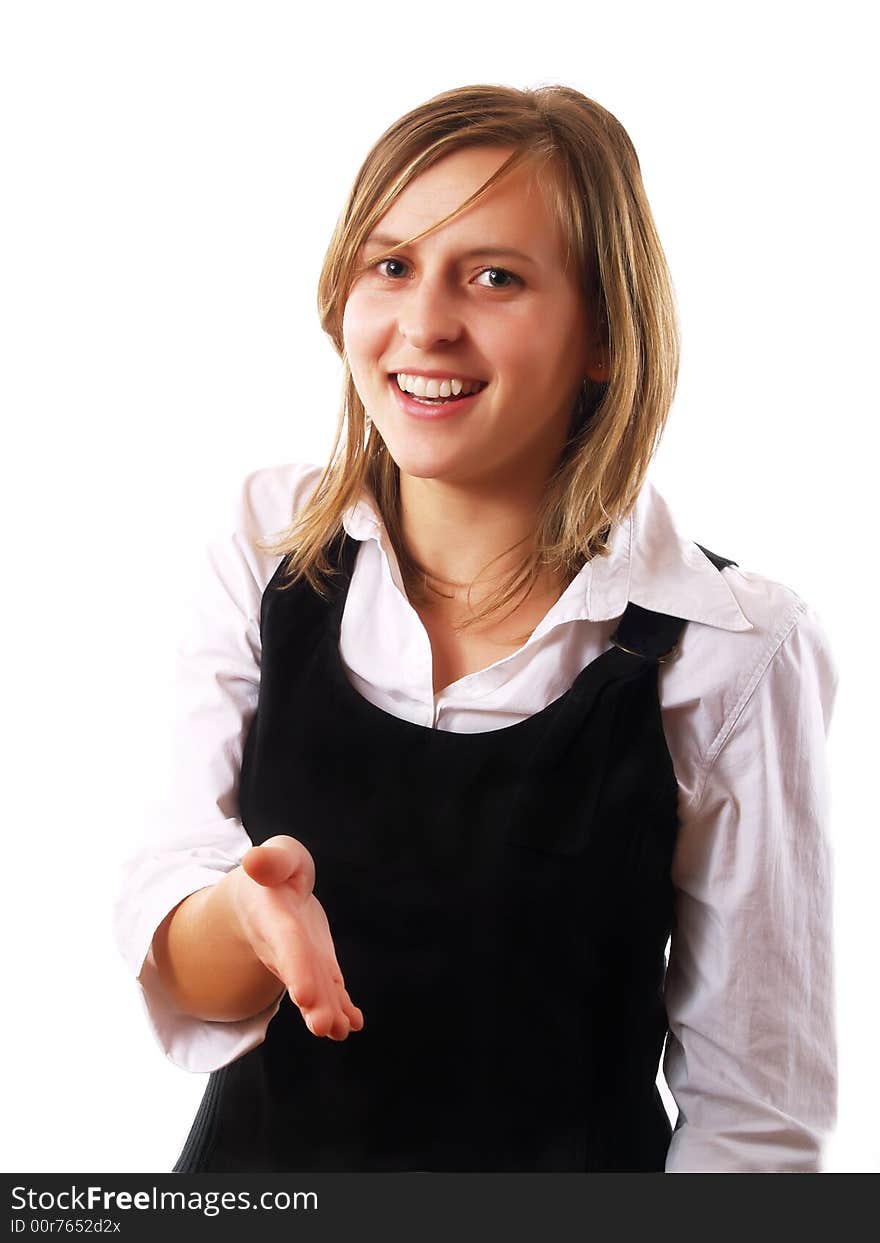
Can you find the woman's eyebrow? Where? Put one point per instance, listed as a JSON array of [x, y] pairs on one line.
[[489, 251]]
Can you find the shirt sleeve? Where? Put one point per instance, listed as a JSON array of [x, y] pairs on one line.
[[194, 835], [751, 1056]]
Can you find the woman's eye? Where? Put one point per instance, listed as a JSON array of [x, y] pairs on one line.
[[501, 278], [389, 264]]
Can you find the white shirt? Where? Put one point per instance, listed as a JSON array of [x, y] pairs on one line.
[[751, 1054]]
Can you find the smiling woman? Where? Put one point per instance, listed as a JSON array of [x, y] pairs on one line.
[[482, 729]]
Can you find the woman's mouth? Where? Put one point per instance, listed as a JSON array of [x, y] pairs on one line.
[[435, 397]]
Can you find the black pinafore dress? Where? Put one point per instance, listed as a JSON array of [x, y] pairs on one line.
[[499, 902]]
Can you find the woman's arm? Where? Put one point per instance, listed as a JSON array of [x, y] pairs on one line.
[[751, 1054], [206, 963], [193, 837]]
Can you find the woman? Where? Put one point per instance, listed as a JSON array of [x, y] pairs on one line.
[[481, 729]]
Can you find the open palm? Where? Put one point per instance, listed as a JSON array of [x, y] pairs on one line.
[[288, 931]]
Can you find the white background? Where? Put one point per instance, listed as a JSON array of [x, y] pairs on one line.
[[172, 173]]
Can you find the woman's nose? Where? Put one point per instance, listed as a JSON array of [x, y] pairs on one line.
[[428, 315]]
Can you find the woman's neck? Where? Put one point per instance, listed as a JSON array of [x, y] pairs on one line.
[[455, 533]]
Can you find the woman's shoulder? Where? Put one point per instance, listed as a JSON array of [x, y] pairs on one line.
[[787, 630], [772, 685], [772, 607], [786, 649], [748, 635], [269, 498], [262, 505], [715, 588]]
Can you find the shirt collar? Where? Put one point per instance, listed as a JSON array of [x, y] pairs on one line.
[[668, 572], [649, 562]]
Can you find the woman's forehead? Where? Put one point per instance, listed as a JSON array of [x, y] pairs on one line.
[[513, 213]]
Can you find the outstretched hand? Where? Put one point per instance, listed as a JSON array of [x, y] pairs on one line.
[[287, 929]]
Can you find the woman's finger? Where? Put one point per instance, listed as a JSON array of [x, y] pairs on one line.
[[352, 1013], [278, 860]]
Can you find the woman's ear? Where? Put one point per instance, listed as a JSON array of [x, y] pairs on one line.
[[599, 365], [596, 359]]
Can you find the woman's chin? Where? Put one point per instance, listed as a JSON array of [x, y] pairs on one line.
[[431, 453], [428, 463]]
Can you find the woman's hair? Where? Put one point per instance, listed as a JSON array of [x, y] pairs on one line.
[[591, 170]]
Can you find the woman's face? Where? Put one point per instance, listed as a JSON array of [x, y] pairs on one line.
[[484, 298]]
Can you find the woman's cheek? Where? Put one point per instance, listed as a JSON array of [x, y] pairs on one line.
[[365, 339], [351, 327]]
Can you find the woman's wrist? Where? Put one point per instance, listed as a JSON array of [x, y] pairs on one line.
[[227, 900], [206, 961]]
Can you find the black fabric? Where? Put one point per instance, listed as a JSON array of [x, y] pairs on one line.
[[719, 562], [500, 904]]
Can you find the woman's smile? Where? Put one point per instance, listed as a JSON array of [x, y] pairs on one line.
[[434, 397]]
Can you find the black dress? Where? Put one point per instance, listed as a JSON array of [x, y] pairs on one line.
[[500, 904]]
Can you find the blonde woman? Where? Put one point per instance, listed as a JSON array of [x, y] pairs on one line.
[[470, 732]]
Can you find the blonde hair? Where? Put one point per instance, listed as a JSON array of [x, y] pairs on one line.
[[597, 194]]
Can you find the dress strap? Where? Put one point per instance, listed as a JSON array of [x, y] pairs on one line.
[[343, 554], [642, 632], [718, 561], [655, 636]]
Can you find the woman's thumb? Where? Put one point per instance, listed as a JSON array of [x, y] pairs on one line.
[[275, 860]]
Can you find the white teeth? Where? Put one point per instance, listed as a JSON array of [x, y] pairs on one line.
[[420, 386]]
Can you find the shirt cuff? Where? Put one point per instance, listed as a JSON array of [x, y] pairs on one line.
[[197, 1045], [193, 1044]]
